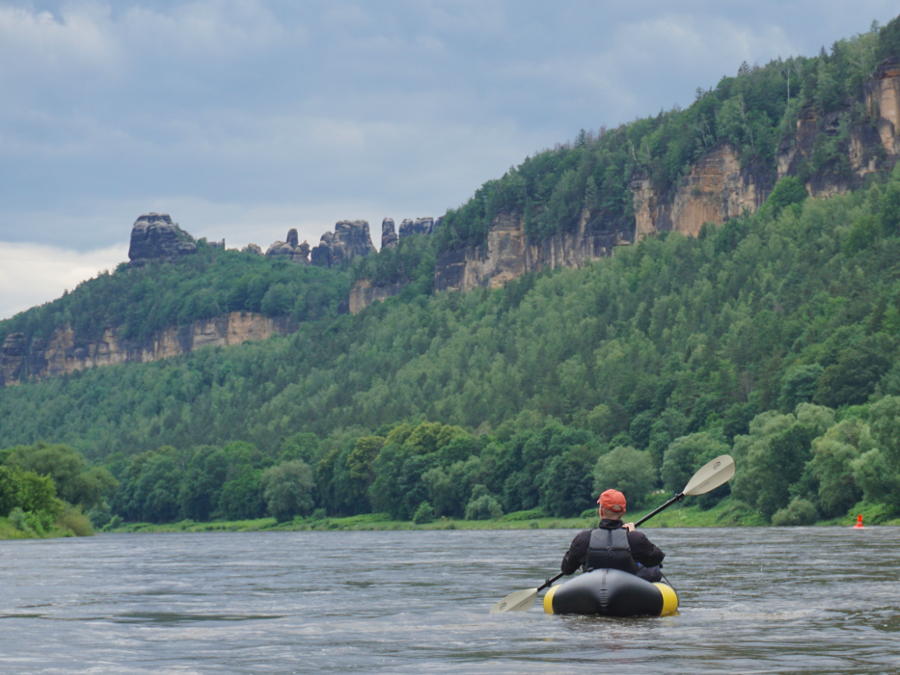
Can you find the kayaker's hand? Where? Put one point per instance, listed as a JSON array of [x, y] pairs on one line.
[[628, 526]]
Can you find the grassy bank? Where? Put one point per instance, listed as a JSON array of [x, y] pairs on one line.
[[728, 513]]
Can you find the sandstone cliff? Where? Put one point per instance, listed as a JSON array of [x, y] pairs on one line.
[[61, 354], [716, 188]]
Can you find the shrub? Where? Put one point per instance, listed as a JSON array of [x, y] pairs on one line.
[[424, 514], [799, 512], [483, 507], [72, 519]]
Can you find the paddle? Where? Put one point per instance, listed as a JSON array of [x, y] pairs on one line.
[[710, 476]]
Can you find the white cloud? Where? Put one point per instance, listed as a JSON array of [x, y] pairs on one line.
[[32, 274], [43, 44], [211, 29], [243, 118]]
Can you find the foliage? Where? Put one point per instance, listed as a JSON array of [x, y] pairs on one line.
[[76, 482], [424, 514], [799, 512], [288, 489], [139, 302], [774, 337], [628, 470], [755, 112]]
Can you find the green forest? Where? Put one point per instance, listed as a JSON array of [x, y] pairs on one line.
[[773, 337]]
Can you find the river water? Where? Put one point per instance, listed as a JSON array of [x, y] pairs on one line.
[[754, 600]]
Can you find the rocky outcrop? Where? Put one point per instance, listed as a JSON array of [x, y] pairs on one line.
[[883, 104], [508, 254], [155, 237], [389, 237], [418, 226], [716, 189], [63, 354], [364, 293], [349, 240], [290, 249]]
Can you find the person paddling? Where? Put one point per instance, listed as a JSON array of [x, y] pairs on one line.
[[613, 544]]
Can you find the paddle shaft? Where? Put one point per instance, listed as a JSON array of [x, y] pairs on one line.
[[549, 582], [669, 503]]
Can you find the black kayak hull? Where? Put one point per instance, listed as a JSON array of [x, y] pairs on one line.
[[608, 592]]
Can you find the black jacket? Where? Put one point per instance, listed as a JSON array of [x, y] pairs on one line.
[[642, 549]]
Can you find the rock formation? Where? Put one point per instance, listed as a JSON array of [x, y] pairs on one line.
[[155, 237], [509, 254], [364, 293], [417, 226], [61, 354], [290, 249], [716, 188], [349, 240], [388, 234]]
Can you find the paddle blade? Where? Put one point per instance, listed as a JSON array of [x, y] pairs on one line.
[[517, 601], [711, 475]]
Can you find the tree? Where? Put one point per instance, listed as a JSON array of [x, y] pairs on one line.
[[278, 300], [773, 454], [687, 454], [832, 465], [789, 190], [242, 497], [798, 385], [424, 514], [483, 505], [566, 483], [26, 490], [288, 489], [626, 469]]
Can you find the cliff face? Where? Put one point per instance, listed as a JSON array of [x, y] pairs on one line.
[[717, 187], [508, 254], [883, 103], [61, 354], [364, 293]]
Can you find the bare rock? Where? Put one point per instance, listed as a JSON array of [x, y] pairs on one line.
[[388, 234], [417, 226], [349, 240], [290, 249], [155, 237]]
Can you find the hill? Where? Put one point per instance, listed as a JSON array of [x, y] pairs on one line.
[[773, 335]]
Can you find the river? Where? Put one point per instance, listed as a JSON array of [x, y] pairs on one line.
[[753, 600]]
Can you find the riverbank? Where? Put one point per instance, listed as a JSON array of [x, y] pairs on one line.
[[728, 513], [725, 514]]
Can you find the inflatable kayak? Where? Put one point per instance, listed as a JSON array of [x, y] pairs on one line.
[[609, 592]]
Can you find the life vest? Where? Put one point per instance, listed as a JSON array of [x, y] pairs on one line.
[[609, 549]]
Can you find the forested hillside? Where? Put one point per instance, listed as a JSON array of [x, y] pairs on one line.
[[144, 300], [774, 337]]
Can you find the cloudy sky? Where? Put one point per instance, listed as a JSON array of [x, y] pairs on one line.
[[243, 118]]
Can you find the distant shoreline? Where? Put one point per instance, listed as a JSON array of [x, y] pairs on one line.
[[724, 514]]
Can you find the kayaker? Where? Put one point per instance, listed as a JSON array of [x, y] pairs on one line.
[[613, 544]]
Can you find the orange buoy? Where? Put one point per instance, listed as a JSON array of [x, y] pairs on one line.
[[859, 522]]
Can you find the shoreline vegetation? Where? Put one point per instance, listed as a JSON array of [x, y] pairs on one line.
[[728, 513]]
